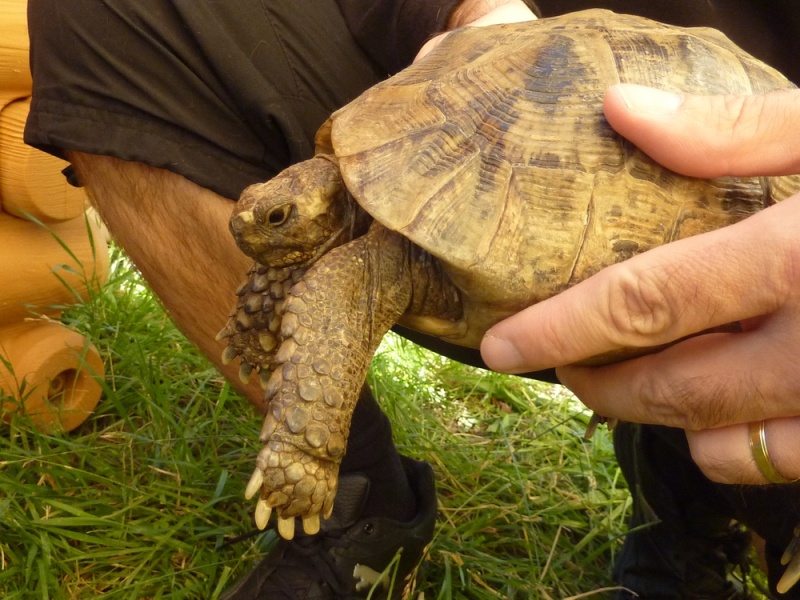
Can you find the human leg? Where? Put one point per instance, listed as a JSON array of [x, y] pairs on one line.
[[686, 531], [772, 512], [682, 545], [176, 234]]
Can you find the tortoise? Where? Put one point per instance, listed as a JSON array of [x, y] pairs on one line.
[[478, 181]]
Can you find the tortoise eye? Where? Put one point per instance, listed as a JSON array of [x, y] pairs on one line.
[[278, 215]]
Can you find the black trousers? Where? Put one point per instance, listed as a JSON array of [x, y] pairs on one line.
[[224, 93], [659, 469]]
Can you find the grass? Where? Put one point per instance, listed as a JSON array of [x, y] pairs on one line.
[[145, 499], [528, 509]]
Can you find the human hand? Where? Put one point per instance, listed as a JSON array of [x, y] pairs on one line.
[[480, 13], [711, 385]]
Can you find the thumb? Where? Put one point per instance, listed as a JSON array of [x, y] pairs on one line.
[[710, 136]]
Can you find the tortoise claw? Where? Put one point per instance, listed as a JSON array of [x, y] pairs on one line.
[[311, 524], [263, 512], [254, 485], [791, 557], [286, 527], [245, 370], [263, 378], [228, 355], [790, 576], [327, 510], [592, 426], [597, 420], [295, 484], [792, 548]]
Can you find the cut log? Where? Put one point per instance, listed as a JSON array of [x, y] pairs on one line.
[[31, 180], [39, 275], [50, 374], [15, 73]]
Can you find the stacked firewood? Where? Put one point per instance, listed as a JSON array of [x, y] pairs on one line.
[[52, 253]]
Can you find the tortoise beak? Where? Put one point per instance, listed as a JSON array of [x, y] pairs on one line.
[[240, 221], [244, 232]]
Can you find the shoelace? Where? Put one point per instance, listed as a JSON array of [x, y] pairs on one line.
[[311, 555], [315, 562]]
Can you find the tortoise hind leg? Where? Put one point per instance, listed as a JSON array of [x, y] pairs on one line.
[[252, 331], [436, 326], [333, 320]]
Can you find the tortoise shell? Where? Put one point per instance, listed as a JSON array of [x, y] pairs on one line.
[[492, 155], [486, 150]]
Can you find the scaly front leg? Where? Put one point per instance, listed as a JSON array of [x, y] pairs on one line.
[[333, 320]]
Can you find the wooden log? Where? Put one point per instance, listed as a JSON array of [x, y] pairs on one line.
[[39, 274], [50, 374], [31, 180], [15, 73]]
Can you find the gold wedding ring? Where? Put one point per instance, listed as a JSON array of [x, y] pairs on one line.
[[758, 446]]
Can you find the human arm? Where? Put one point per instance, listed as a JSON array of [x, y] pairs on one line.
[[391, 32], [747, 273]]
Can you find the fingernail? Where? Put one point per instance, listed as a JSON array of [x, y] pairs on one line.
[[649, 100], [500, 354]]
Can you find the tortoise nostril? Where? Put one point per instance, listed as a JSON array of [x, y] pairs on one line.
[[241, 220]]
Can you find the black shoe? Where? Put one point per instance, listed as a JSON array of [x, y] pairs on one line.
[[352, 554], [659, 563], [680, 546]]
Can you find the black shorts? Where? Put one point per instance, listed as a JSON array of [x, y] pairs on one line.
[[223, 97]]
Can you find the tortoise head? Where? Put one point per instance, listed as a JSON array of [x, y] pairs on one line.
[[295, 217]]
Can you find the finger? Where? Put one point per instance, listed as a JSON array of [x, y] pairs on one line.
[[656, 297], [704, 382], [725, 456], [710, 136]]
